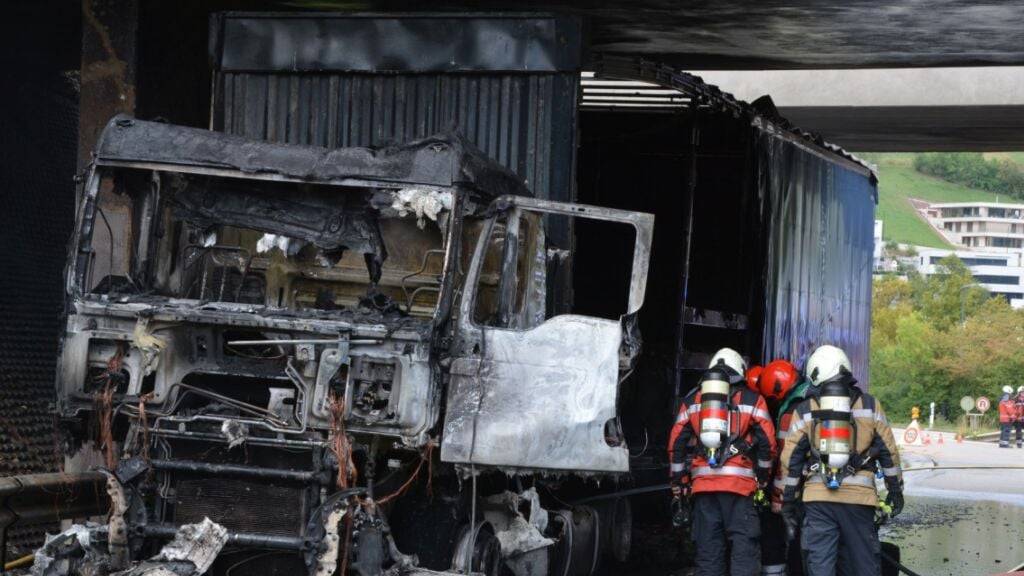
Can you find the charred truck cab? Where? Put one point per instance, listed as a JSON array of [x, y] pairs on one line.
[[299, 343]]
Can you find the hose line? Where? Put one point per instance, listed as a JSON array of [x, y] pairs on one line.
[[899, 566]]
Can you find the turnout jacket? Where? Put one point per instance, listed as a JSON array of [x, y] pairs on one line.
[[1007, 409], [786, 413], [874, 444], [754, 441]]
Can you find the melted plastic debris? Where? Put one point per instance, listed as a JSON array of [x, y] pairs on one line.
[[521, 534], [289, 246], [71, 550], [81, 550], [234, 432], [196, 543], [423, 202]]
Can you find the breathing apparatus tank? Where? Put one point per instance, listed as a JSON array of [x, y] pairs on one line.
[[715, 419], [835, 431]]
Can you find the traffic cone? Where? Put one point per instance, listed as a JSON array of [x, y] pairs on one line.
[[941, 441], [927, 438]]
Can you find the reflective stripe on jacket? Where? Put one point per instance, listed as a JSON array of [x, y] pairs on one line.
[[752, 424], [786, 411], [873, 431], [1007, 410]]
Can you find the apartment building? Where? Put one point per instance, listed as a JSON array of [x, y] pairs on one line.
[[1001, 273], [988, 226]]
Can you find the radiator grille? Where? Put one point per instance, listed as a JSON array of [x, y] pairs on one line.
[[240, 505]]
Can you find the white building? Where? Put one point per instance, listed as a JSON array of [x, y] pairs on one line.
[[1000, 272], [988, 226], [879, 244]]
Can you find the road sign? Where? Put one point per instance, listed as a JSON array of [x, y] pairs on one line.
[[910, 436], [983, 404], [966, 403]]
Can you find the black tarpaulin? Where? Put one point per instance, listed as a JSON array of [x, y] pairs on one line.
[[443, 160], [820, 238]]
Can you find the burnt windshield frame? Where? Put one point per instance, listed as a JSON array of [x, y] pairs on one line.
[[88, 219], [642, 223]]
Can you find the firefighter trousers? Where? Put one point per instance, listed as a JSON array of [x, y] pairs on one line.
[[722, 520], [1004, 434], [840, 539], [1018, 428], [778, 556]]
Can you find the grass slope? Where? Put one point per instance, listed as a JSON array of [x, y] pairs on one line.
[[898, 182]]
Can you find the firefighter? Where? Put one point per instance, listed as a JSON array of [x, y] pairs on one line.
[[721, 450], [840, 436], [780, 384], [1007, 416], [1018, 411]]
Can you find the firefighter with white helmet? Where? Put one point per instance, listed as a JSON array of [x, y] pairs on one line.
[[840, 437], [1008, 416], [721, 449]]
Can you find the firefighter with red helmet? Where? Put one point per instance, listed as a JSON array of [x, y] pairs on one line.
[[721, 451], [1007, 416], [780, 384]]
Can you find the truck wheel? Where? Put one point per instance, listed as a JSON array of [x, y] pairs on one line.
[[486, 554]]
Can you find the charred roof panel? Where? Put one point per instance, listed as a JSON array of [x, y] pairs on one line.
[[442, 160]]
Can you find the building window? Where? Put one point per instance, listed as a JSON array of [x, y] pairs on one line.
[[997, 212], [1009, 295], [993, 279], [1005, 242], [973, 261]]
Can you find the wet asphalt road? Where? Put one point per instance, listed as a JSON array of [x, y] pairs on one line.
[[961, 522]]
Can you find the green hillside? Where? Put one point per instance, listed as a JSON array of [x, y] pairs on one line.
[[898, 182]]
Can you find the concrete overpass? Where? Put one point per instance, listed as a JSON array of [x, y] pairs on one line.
[[915, 109], [906, 75]]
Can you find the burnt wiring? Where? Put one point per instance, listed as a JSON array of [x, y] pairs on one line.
[[104, 400], [426, 456], [144, 426], [340, 445]]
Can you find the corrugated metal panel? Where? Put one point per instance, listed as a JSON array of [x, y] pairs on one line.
[[821, 234], [524, 121]]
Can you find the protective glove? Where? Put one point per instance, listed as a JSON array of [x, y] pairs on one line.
[[680, 490], [895, 497], [680, 512], [791, 516], [764, 475]]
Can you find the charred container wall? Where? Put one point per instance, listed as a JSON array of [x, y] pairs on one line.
[[821, 212], [508, 83]]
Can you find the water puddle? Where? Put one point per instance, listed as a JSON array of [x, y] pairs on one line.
[[947, 537]]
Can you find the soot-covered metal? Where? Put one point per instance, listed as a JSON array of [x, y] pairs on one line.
[[320, 330]]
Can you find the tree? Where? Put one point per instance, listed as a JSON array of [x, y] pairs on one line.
[[940, 296], [903, 370], [920, 351]]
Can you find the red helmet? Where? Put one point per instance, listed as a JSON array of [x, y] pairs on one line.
[[753, 373], [777, 379]]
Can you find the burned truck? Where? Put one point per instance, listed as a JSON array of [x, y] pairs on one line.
[[344, 357]]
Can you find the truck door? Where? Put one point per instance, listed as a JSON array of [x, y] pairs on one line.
[[528, 391]]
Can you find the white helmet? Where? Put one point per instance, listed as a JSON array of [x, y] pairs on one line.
[[826, 363], [1020, 389], [730, 359], [1007, 389]]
